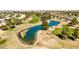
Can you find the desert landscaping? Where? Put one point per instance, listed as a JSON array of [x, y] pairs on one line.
[[39, 29]]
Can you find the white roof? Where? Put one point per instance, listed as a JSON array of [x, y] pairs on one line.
[[2, 19]]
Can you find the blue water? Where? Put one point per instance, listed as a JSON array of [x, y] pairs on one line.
[[53, 23], [31, 33]]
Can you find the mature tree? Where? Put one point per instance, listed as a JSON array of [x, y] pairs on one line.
[[74, 21], [44, 23]]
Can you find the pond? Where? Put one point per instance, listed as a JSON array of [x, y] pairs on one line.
[[31, 33]]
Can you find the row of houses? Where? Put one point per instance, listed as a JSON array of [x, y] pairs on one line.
[[3, 22]]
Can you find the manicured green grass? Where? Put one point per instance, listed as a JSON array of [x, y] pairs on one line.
[[57, 31], [34, 19]]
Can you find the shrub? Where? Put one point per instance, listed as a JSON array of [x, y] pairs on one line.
[[77, 32], [73, 22], [2, 41], [4, 27]]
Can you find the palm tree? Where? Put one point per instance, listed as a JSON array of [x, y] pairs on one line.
[[68, 32], [65, 33], [77, 32], [44, 23]]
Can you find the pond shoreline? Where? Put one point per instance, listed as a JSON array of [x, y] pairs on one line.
[[37, 27]]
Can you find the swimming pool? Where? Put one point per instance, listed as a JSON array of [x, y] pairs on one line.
[[30, 35]]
